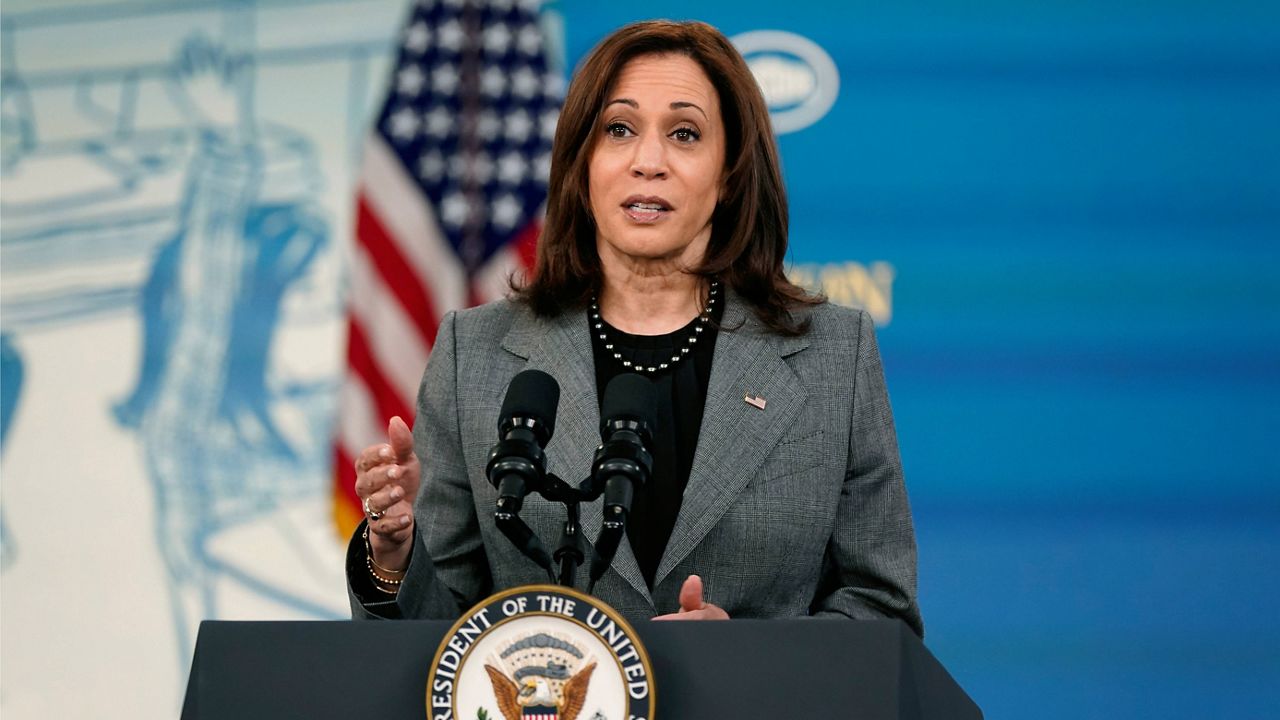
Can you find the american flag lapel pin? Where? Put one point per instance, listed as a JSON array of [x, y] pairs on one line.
[[754, 401]]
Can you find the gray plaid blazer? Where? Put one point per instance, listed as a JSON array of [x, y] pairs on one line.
[[795, 509]]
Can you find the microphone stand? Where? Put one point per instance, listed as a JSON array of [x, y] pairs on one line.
[[570, 553]]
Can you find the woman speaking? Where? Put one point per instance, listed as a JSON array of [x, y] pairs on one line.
[[776, 488]]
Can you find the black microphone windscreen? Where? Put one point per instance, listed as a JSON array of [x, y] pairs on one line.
[[630, 397], [532, 393]]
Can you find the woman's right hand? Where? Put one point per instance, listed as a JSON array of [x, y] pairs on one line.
[[387, 478]]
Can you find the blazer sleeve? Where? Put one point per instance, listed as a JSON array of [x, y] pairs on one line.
[[448, 570], [869, 569]]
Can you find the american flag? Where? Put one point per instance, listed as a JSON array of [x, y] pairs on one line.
[[449, 203]]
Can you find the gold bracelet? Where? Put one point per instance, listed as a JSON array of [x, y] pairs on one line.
[[386, 585], [389, 586], [384, 589], [385, 571], [368, 553], [379, 578]]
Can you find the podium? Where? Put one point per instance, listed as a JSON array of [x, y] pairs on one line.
[[739, 669]]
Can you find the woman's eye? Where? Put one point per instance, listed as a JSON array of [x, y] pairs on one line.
[[685, 135], [617, 130]]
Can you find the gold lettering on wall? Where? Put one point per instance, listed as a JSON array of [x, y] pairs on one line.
[[851, 284]]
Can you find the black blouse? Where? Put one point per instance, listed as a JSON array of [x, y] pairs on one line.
[[682, 396]]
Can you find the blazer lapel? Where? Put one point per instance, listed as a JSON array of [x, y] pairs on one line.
[[736, 435], [561, 346]]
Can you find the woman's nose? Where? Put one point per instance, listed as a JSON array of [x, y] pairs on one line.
[[650, 158]]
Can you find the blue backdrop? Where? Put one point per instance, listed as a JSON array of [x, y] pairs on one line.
[[1081, 205]]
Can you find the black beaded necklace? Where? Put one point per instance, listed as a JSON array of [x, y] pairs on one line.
[[685, 348]]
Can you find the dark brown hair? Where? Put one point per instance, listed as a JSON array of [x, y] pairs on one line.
[[749, 225]]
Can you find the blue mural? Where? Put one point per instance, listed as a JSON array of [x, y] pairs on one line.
[[210, 308], [154, 179]]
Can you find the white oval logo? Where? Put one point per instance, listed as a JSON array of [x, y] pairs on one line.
[[798, 78]]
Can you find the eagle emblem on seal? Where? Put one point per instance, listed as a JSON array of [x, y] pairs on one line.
[[540, 677]]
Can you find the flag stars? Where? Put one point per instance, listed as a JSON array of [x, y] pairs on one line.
[[417, 38], [431, 166], [512, 168], [444, 78], [439, 122], [455, 209], [458, 166], [553, 86], [529, 40], [476, 162], [403, 124], [476, 168], [518, 126], [524, 83], [451, 36], [493, 82], [506, 211], [497, 39], [488, 126], [409, 80]]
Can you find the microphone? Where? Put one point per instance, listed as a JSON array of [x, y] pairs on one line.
[[517, 465], [622, 462]]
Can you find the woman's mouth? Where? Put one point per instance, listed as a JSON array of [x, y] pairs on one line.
[[645, 210]]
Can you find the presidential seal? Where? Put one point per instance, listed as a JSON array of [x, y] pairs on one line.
[[540, 652]]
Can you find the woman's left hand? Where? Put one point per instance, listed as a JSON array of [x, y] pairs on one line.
[[692, 606]]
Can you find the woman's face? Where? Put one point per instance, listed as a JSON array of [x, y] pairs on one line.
[[657, 164]]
